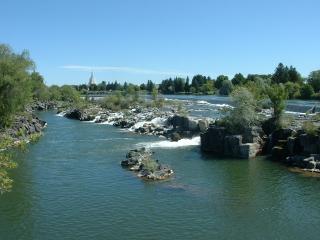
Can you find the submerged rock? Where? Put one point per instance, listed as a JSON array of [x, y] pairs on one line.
[[141, 161]]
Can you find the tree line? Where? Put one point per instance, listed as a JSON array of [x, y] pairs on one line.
[[295, 85]]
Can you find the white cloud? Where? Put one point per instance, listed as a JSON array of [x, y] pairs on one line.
[[123, 69]]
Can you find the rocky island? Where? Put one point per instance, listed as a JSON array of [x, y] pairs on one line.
[[141, 161]]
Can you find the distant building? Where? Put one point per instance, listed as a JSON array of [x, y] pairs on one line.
[[92, 81]]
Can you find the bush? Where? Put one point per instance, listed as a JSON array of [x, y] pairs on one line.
[[5, 164], [118, 101], [150, 165], [310, 128], [243, 115]]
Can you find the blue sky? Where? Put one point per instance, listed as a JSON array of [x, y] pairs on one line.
[[137, 40]]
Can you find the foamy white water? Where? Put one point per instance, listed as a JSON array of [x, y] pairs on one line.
[[168, 144], [220, 105], [97, 118], [61, 114]]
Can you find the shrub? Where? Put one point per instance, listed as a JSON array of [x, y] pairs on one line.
[[150, 164], [310, 128], [243, 115], [6, 163], [119, 101]]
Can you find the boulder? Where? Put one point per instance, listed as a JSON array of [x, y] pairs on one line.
[[310, 144], [176, 137], [232, 145], [294, 146], [183, 123], [213, 140], [203, 125], [78, 114], [278, 153], [252, 135], [249, 150]]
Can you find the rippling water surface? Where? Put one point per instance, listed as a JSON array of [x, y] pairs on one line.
[[70, 185]]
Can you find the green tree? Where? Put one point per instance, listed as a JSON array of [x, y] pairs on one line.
[[187, 85], [306, 91], [69, 94], [294, 75], [243, 115], [150, 86], [219, 81], [281, 74], [15, 83], [238, 79], [314, 80], [293, 90], [277, 95], [38, 87], [226, 87]]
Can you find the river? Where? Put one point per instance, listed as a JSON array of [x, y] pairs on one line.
[[70, 185]]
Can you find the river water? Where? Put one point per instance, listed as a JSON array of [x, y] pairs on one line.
[[70, 185]]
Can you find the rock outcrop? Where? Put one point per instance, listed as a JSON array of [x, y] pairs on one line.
[[24, 128], [141, 161], [78, 114], [295, 148], [216, 140]]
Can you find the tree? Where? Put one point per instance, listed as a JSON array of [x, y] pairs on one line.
[[226, 87], [102, 86], [314, 80], [219, 81], [143, 87], [243, 115], [277, 95], [38, 88], [294, 75], [281, 74], [54, 93], [15, 83], [69, 94], [207, 88], [238, 79], [293, 89], [179, 84], [306, 91], [187, 85], [150, 86]]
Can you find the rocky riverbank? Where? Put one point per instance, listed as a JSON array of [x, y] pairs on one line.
[[292, 146], [141, 161], [25, 128], [150, 121], [295, 148]]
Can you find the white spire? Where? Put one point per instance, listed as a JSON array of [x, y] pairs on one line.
[[91, 79]]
